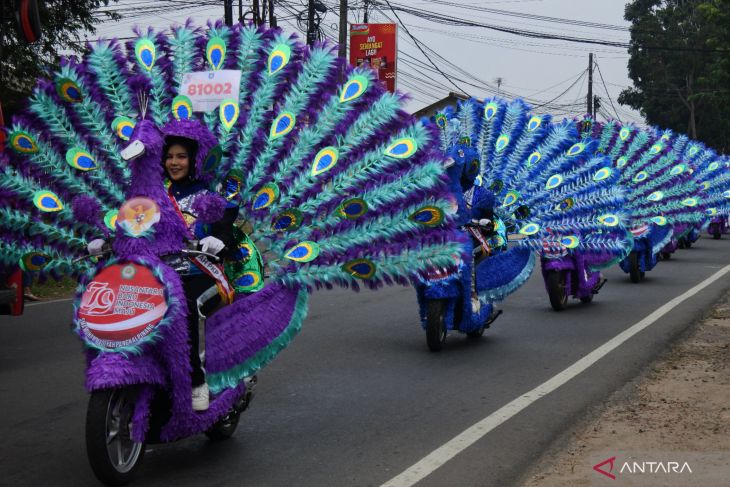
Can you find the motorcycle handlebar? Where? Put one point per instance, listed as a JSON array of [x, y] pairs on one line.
[[88, 256], [213, 257], [107, 249]]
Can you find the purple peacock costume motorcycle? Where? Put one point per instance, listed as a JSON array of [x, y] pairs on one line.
[[336, 186]]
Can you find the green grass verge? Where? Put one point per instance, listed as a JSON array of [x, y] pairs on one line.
[[52, 289]]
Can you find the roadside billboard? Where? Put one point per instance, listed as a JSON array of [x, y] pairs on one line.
[[377, 46]]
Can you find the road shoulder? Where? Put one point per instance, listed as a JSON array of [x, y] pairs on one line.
[[680, 403]]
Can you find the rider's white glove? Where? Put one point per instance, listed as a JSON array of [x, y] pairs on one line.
[[94, 247], [211, 245]]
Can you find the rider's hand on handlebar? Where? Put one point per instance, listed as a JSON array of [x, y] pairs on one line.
[[484, 222], [96, 246], [211, 245]]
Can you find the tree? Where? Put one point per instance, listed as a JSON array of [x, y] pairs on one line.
[[678, 64], [64, 23]]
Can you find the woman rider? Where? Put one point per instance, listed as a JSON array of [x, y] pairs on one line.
[[179, 162]]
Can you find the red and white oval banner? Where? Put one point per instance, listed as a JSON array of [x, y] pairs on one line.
[[121, 306], [640, 231]]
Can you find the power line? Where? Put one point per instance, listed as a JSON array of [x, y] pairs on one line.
[[441, 18], [543, 18], [422, 51], [566, 90], [606, 89]]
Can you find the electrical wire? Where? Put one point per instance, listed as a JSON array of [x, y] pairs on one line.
[[445, 19], [595, 63], [422, 51]]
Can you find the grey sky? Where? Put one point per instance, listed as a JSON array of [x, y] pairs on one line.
[[535, 68]]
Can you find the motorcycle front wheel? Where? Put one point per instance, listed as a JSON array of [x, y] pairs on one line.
[[225, 427], [556, 290], [436, 324], [113, 454]]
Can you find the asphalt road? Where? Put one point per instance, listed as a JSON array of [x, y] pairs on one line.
[[357, 398]]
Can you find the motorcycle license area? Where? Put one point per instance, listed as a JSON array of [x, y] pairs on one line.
[[216, 240]]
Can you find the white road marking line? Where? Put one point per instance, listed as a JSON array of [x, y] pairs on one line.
[[471, 435], [38, 303]]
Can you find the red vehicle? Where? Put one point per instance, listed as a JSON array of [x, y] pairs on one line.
[[11, 292]]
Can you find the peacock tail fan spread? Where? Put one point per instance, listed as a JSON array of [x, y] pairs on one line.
[[337, 185], [555, 193], [657, 175], [712, 172]]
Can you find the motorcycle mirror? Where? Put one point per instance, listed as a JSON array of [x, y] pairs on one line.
[[133, 150]]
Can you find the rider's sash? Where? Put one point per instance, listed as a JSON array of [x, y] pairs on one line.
[[213, 270], [216, 272]]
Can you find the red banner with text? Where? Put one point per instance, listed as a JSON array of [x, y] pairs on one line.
[[376, 45]]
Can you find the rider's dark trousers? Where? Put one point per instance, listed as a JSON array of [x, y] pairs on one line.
[[194, 286]]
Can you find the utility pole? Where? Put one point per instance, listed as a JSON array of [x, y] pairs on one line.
[[272, 19], [343, 29], [311, 33], [499, 80], [256, 13], [365, 15], [228, 11], [589, 98]]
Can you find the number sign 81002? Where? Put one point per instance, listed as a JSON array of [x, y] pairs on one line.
[[209, 89]]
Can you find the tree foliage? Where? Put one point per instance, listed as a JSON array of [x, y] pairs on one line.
[[680, 66], [64, 23]]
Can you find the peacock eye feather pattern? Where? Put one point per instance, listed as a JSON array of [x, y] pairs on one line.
[[249, 142], [316, 68], [48, 161], [58, 123], [151, 73]]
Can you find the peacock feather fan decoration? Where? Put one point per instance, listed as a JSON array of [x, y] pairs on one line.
[[336, 184], [554, 193], [663, 197], [712, 171]]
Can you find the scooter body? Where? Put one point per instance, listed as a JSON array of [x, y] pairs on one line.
[[718, 225], [682, 238], [132, 320], [569, 275], [450, 299], [649, 240]]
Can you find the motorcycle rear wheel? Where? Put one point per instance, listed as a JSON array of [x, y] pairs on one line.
[[556, 290], [113, 454], [715, 231], [436, 324], [635, 273]]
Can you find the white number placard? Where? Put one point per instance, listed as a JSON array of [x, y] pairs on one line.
[[207, 89]]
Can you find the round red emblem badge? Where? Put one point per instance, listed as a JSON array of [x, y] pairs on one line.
[[121, 306]]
